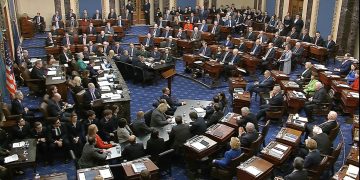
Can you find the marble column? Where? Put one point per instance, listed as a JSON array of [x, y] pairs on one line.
[[314, 18], [58, 6]]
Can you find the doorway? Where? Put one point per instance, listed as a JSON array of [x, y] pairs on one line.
[[139, 14]]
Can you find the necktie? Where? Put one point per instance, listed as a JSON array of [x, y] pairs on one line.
[[213, 30], [154, 32], [233, 59], [147, 42], [316, 41], [132, 52], [249, 35], [254, 49], [202, 26], [67, 59], [261, 39], [97, 16], [230, 23], [90, 48], [204, 50], [166, 35], [84, 41], [166, 57], [120, 23], [38, 19], [129, 131], [296, 50], [268, 53], [225, 57], [179, 35], [93, 96], [328, 44], [57, 24], [57, 131]]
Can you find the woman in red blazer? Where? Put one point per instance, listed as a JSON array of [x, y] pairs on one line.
[[92, 131]]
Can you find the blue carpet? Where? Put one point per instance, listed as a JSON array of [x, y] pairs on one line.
[[183, 88]]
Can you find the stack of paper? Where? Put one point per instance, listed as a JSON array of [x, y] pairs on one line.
[[282, 147], [19, 144], [138, 167], [97, 67], [352, 171], [51, 73], [200, 112], [56, 78], [104, 83], [11, 158], [116, 96], [106, 95], [102, 78], [355, 95], [105, 173], [253, 170], [198, 146], [86, 62], [52, 69]]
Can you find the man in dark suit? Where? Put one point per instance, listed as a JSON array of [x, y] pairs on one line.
[[322, 139], [277, 40], [268, 58], [130, 11], [250, 35], [179, 134], [155, 145], [91, 94], [235, 60], [264, 86], [215, 116], [37, 71], [298, 173], [139, 127], [90, 119], [49, 40], [109, 29], [181, 34], [147, 12], [305, 76], [155, 31], [330, 44], [91, 47], [193, 18], [156, 54], [198, 126], [97, 15], [65, 57], [132, 50], [262, 37], [112, 14], [298, 23], [304, 36], [58, 139], [67, 40], [39, 133], [345, 66], [205, 50], [83, 39], [124, 57], [39, 22], [75, 134], [17, 107], [172, 103], [170, 44], [133, 150], [319, 97], [93, 72], [256, 50], [313, 158], [246, 117], [297, 55], [276, 99], [203, 14], [248, 136], [203, 27], [318, 40], [71, 15], [117, 49], [56, 108], [107, 126], [218, 19], [216, 30], [91, 29], [101, 37], [72, 23], [226, 56], [148, 42], [21, 130], [293, 34], [167, 57], [91, 156]]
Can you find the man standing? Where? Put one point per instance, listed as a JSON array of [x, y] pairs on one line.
[[130, 10], [147, 12]]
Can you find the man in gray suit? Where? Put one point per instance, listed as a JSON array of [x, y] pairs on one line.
[[91, 156], [158, 118]]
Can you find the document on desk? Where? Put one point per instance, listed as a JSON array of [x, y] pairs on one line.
[[52, 69], [105, 173], [198, 146], [82, 176], [56, 78], [115, 152], [138, 167], [18, 144], [104, 83], [348, 178], [253, 170], [51, 73], [116, 96], [352, 171], [281, 147], [200, 112], [11, 158], [102, 78], [105, 88], [97, 67]]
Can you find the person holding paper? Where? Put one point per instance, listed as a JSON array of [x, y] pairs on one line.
[[233, 153], [92, 156]]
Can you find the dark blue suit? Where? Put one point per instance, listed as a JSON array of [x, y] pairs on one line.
[[156, 56], [263, 86], [231, 65], [345, 68], [207, 51], [228, 44], [312, 160], [149, 42], [203, 27], [256, 50], [155, 32]]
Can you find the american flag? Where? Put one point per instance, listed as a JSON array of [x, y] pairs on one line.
[[10, 78]]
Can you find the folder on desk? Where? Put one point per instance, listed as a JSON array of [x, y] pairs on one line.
[[198, 146], [105, 173], [51, 73], [138, 167], [11, 158], [352, 171], [253, 170]]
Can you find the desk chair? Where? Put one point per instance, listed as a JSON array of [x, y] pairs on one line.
[[10, 118], [265, 131], [229, 172], [334, 156], [164, 161], [254, 147], [47, 118], [334, 132], [36, 86], [315, 173]]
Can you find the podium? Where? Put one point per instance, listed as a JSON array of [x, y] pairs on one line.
[[168, 74]]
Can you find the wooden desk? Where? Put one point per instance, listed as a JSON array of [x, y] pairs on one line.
[[317, 68], [262, 165], [294, 102], [250, 62], [25, 160], [236, 82], [318, 53], [276, 152], [150, 166], [26, 27], [349, 102], [214, 69], [220, 133], [185, 45], [326, 78], [190, 59], [297, 124], [289, 86], [338, 86], [342, 173], [278, 76], [59, 80], [54, 176], [208, 147], [90, 173], [240, 101], [230, 119], [54, 50], [353, 156], [289, 136]]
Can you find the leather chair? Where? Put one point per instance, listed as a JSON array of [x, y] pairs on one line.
[[315, 173], [276, 112], [265, 131], [334, 132], [334, 156], [323, 109], [10, 118], [254, 147], [47, 119], [36, 86], [230, 171], [164, 161]]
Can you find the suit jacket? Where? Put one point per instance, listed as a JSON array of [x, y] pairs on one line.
[[37, 73], [277, 42], [297, 175], [92, 31], [109, 30], [20, 134], [166, 34], [155, 146], [228, 44], [293, 35], [323, 143], [107, 127], [328, 126], [133, 50], [256, 50], [264, 39], [330, 45], [68, 23], [203, 28], [266, 84], [305, 38], [320, 96], [251, 36], [99, 17], [193, 19], [88, 98], [312, 160], [170, 101], [156, 55], [178, 135], [276, 100], [242, 47], [214, 118], [158, 119], [150, 43], [196, 36], [299, 24], [140, 128], [51, 135], [306, 74], [207, 51], [17, 107], [83, 41], [53, 108], [271, 55], [49, 41], [133, 151], [247, 139], [181, 35], [216, 32], [198, 126], [249, 118], [155, 32], [91, 157], [74, 131], [318, 41], [112, 15], [297, 52], [35, 19], [167, 58], [64, 42], [235, 59], [225, 57], [62, 58], [100, 39], [345, 67]]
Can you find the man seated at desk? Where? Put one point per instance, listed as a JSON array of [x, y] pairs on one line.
[[156, 54], [67, 40], [65, 57], [155, 31], [93, 72], [226, 56], [109, 29], [304, 36], [246, 117], [101, 37], [248, 136], [143, 52], [112, 14], [125, 57], [216, 30], [318, 40], [345, 66], [132, 50], [277, 40], [276, 99], [92, 156], [305, 76], [235, 60], [72, 23], [181, 34], [250, 35], [320, 97], [148, 42], [91, 29], [39, 133], [326, 126], [133, 150], [228, 43], [39, 22], [256, 49], [97, 15], [203, 27], [91, 47], [195, 36], [21, 130], [167, 57], [117, 49], [167, 32], [37, 71], [262, 37], [49, 40], [170, 44], [330, 44], [140, 62], [205, 51], [179, 134], [56, 108], [198, 125], [264, 86], [214, 117], [299, 172], [120, 22], [170, 101], [91, 94], [83, 40], [193, 18]]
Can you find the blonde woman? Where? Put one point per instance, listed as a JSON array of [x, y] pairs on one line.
[[92, 131], [233, 153], [77, 86], [109, 58]]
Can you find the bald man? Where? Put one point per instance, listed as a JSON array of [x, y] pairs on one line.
[[56, 108], [133, 150], [319, 97], [326, 126], [248, 136], [276, 99]]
